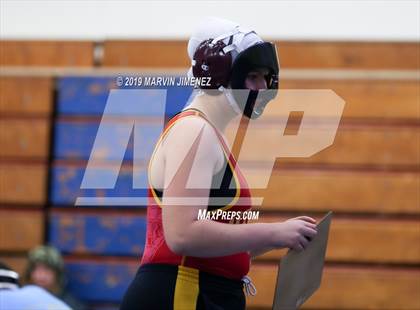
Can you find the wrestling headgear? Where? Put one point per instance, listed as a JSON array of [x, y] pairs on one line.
[[211, 61], [226, 54]]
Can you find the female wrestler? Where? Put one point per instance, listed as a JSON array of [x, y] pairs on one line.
[[190, 263]]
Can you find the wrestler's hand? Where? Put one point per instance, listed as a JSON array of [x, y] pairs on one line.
[[294, 233]]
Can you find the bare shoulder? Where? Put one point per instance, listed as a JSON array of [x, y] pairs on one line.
[[189, 130]]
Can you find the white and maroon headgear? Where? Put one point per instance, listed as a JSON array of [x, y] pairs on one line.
[[226, 52]]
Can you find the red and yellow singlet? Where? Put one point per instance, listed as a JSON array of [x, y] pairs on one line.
[[156, 249]]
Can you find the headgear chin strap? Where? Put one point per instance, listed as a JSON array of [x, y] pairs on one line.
[[231, 99]]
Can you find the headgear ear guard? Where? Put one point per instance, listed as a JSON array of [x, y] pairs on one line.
[[210, 60]]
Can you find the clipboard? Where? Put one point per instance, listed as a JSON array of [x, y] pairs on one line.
[[300, 273]]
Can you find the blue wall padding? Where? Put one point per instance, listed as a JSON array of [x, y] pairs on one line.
[[107, 234], [88, 95], [95, 281], [75, 139], [66, 180]]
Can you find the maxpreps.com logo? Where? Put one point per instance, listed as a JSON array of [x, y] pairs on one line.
[[127, 114]]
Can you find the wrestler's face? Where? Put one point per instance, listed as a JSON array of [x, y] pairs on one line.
[[256, 80]]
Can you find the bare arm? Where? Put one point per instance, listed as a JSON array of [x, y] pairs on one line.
[[184, 233]]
